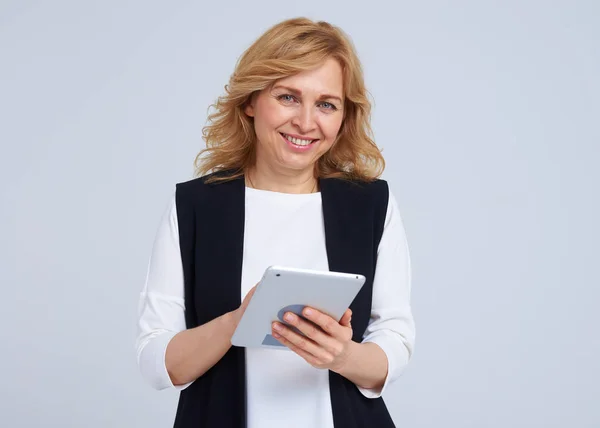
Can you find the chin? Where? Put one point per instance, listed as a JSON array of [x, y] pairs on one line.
[[297, 166]]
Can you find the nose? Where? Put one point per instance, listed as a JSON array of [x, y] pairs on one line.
[[304, 119]]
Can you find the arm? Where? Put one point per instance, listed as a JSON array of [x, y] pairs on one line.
[[191, 353], [391, 331], [366, 365], [168, 354]]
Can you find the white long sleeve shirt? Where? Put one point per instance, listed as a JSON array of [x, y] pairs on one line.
[[280, 229]]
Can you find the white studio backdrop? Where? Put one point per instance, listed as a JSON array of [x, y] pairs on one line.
[[488, 113]]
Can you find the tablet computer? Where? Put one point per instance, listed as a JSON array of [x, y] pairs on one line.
[[286, 289]]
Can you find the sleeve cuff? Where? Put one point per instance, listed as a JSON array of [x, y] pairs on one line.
[[397, 358], [152, 363]]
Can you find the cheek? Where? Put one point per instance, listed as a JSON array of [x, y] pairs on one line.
[[271, 116], [330, 127]]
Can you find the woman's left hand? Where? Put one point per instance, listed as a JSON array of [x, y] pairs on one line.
[[326, 343]]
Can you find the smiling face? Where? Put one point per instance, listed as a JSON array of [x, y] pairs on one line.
[[297, 119]]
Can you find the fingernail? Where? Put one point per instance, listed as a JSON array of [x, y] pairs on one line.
[[277, 326], [308, 312], [289, 317]]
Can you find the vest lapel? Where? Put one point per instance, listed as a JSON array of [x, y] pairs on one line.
[[220, 263], [347, 216]]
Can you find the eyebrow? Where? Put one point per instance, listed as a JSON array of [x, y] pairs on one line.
[[299, 93]]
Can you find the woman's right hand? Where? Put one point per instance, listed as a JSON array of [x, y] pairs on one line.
[[192, 352]]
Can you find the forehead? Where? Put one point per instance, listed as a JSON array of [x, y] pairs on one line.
[[326, 79]]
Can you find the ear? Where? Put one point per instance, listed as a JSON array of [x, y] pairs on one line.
[[249, 107]]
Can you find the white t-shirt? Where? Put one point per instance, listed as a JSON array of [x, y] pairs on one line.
[[280, 229]]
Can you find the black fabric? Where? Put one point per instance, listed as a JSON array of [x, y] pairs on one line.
[[211, 233]]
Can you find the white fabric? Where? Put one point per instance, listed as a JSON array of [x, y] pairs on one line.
[[280, 229]]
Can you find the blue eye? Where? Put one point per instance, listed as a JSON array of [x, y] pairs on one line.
[[286, 97], [328, 106]]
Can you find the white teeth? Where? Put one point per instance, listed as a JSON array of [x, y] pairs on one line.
[[297, 141]]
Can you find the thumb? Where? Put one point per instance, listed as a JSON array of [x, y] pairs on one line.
[[249, 296], [345, 321]]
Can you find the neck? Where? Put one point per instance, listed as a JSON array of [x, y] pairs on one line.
[[264, 178]]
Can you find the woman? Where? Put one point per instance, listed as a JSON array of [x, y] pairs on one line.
[[289, 177]]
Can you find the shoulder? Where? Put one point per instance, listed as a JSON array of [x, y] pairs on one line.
[[371, 198], [197, 183], [376, 190], [199, 186], [190, 186]]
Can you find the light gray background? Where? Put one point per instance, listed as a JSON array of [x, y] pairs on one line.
[[488, 114]]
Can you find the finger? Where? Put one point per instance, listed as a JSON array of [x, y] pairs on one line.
[[308, 357], [313, 332], [328, 324], [299, 341]]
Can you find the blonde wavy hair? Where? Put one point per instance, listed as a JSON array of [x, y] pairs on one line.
[[288, 48]]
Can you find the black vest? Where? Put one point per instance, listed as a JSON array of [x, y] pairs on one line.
[[211, 234]]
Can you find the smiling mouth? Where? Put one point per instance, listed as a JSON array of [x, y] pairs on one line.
[[298, 141]]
